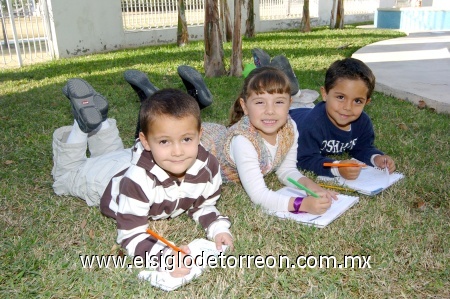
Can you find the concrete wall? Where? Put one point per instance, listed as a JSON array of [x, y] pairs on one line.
[[425, 3], [84, 26], [411, 19]]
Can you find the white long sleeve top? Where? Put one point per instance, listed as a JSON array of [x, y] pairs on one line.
[[244, 155]]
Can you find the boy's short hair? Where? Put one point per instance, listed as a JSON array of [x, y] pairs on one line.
[[349, 68], [169, 102]]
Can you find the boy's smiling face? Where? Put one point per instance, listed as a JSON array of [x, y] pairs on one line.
[[345, 102], [173, 143]]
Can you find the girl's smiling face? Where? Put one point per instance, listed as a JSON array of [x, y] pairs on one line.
[[267, 113]]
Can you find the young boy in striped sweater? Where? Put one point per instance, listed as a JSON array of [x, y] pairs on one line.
[[166, 173]]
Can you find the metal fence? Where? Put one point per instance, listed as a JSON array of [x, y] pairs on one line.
[[25, 32], [26, 28], [151, 14]]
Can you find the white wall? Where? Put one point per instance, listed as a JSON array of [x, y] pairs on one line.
[[84, 27]]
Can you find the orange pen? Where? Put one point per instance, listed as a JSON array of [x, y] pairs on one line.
[[344, 164], [150, 232]]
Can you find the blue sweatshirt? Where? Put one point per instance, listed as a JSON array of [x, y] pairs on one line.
[[319, 137]]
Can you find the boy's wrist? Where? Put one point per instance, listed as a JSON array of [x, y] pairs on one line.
[[335, 170], [372, 159]]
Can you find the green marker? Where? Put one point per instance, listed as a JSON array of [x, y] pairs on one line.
[[300, 186]]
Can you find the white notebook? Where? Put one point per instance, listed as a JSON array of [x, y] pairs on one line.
[[370, 181], [338, 207], [164, 281]]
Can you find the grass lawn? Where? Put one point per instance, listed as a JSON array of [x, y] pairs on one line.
[[404, 230]]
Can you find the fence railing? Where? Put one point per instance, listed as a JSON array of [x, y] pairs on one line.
[[25, 32], [26, 36], [150, 14]]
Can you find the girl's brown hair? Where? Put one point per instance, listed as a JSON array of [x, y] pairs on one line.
[[260, 80]]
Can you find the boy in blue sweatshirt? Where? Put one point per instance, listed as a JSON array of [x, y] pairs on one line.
[[338, 124]]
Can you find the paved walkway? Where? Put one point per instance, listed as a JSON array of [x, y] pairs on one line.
[[414, 68]]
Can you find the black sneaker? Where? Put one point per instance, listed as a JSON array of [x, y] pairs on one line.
[[140, 83], [99, 100], [195, 85], [260, 58], [88, 106], [282, 63], [143, 87]]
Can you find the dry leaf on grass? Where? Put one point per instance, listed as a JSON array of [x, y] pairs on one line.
[[83, 224], [9, 162], [422, 104], [343, 47], [421, 205], [114, 249], [403, 126]]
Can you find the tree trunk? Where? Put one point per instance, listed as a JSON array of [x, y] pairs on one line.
[[305, 24], [250, 23], [213, 57], [236, 56], [182, 29], [333, 14], [340, 15], [337, 15], [226, 20]]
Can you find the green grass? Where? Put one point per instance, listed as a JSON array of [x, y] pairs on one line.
[[42, 235]]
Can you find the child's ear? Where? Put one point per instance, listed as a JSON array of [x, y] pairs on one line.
[[200, 134], [368, 101], [144, 141], [323, 93], [243, 106]]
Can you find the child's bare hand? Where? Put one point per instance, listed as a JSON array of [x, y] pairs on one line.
[[316, 188], [349, 173], [316, 206], [179, 269], [383, 161], [225, 239], [330, 194]]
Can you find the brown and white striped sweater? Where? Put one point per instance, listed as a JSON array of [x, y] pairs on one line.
[[145, 191]]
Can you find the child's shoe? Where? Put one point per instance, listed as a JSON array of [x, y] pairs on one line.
[[282, 63], [140, 83], [195, 85], [143, 87], [84, 101], [99, 100], [304, 98], [260, 58]]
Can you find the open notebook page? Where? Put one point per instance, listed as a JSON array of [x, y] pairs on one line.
[[338, 207], [370, 181], [163, 280]]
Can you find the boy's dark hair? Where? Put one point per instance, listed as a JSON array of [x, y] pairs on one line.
[[263, 79], [349, 68], [169, 102]]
